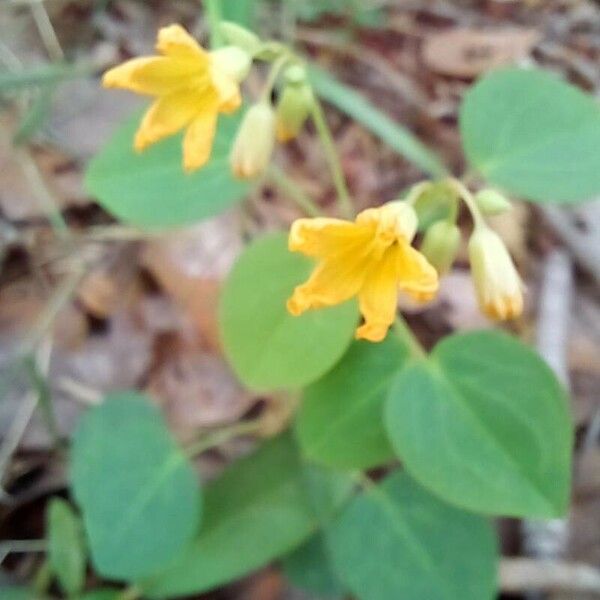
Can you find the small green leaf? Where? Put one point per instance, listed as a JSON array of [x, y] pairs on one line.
[[397, 541], [66, 551], [309, 568], [340, 422], [151, 190], [259, 509], [485, 425], [534, 135], [397, 137], [268, 347], [138, 493]]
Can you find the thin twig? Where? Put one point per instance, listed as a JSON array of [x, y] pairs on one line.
[[293, 191]]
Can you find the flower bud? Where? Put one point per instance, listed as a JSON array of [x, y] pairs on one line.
[[492, 202], [293, 109], [233, 61], [240, 36], [253, 145], [497, 284], [440, 245]]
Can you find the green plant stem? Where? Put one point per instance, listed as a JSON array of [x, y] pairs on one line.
[[343, 196], [404, 332], [220, 436], [467, 198], [214, 15], [293, 191], [265, 95], [42, 578]]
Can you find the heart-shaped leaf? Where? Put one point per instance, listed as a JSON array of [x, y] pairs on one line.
[[534, 135], [398, 541], [151, 190], [138, 493], [267, 346], [485, 425]]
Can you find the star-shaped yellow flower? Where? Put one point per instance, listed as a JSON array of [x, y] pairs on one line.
[[191, 86], [371, 258]]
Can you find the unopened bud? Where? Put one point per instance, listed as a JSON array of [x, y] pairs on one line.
[[440, 245], [232, 61], [253, 145], [240, 36], [293, 109], [492, 202], [497, 284]]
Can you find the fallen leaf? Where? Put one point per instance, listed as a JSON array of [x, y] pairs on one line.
[[468, 52]]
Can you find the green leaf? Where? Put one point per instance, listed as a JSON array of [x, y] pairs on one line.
[[309, 568], [150, 189], [260, 508], [397, 137], [19, 593], [104, 594], [139, 495], [397, 541], [66, 551], [340, 422], [534, 135], [268, 347], [240, 11], [485, 425]]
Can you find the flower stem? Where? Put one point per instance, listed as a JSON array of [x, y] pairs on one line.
[[343, 196], [404, 332], [467, 198], [292, 190], [213, 13]]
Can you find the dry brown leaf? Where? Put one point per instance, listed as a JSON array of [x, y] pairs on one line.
[[190, 264], [469, 52], [198, 390]]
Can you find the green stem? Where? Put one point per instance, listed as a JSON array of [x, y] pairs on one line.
[[468, 199], [42, 578], [404, 332], [343, 196], [220, 436], [213, 12], [267, 90], [293, 191], [44, 399]]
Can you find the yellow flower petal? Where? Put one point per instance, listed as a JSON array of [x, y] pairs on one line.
[[227, 90], [198, 141], [322, 237], [378, 298], [166, 116], [155, 75], [416, 276], [175, 41], [334, 281]]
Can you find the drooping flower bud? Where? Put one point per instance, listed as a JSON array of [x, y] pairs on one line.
[[440, 245], [294, 104], [232, 61], [497, 284], [253, 145], [492, 202]]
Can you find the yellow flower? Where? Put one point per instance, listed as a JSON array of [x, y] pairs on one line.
[[497, 284], [191, 86], [371, 258]]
